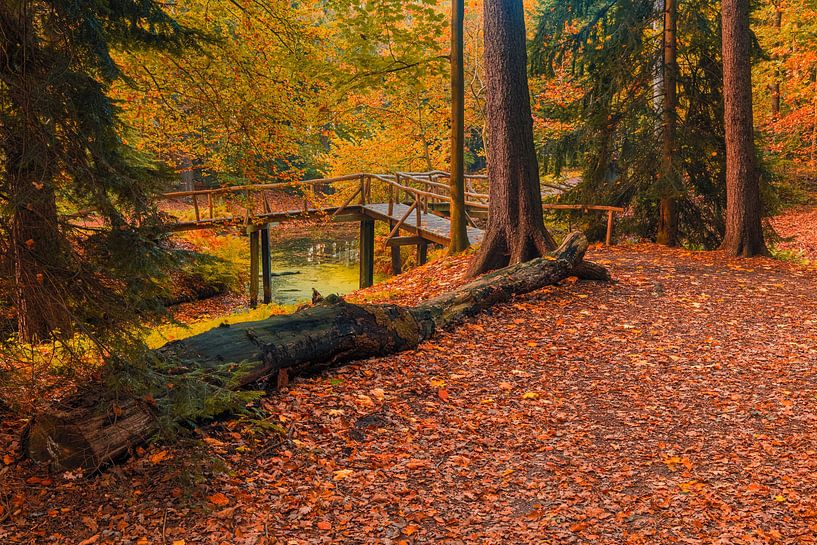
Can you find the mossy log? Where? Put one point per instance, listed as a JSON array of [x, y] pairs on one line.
[[91, 434]]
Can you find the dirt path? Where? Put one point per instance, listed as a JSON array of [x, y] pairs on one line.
[[677, 405]]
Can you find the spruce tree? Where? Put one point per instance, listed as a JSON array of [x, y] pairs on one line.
[[78, 227], [654, 150]]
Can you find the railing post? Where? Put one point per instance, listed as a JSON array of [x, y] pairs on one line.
[[362, 190], [419, 210], [391, 199], [196, 207], [609, 237]]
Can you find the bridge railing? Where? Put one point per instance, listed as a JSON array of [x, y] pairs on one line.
[[419, 190]]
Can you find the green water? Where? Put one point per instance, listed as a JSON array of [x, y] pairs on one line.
[[322, 258]]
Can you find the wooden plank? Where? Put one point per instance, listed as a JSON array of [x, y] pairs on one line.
[[396, 242]]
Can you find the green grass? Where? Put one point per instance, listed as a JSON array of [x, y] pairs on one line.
[[172, 332], [790, 255]]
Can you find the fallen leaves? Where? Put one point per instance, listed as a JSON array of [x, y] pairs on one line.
[[341, 474], [219, 499], [690, 430]]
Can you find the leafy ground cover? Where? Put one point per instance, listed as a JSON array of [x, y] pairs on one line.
[[675, 405]]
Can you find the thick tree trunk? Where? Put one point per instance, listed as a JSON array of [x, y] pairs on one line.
[[29, 168], [36, 252], [459, 226], [668, 217], [516, 230], [90, 434], [744, 234]]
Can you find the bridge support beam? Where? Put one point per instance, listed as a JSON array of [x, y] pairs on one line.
[[254, 259], [366, 252], [266, 264], [422, 252], [396, 264]]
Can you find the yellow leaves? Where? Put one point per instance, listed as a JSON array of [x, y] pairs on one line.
[[530, 395], [341, 474], [689, 487], [219, 499], [437, 383], [179, 542], [779, 498], [673, 463]]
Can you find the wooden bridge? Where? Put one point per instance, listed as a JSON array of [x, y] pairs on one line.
[[414, 203]]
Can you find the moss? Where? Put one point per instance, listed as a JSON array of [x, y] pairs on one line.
[[399, 323]]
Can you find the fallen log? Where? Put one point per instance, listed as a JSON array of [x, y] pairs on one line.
[[90, 434]]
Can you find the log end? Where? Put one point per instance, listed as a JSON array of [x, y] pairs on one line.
[[81, 439], [54, 440]]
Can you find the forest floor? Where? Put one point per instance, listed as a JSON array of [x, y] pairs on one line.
[[677, 404]]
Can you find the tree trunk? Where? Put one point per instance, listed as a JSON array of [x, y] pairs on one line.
[[29, 170], [744, 234], [90, 434], [668, 217], [36, 253], [459, 227], [516, 230]]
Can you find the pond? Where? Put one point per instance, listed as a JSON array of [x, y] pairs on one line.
[[325, 258]]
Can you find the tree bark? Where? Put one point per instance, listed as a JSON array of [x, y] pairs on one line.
[[516, 230], [668, 209], [459, 227], [89, 434], [744, 234]]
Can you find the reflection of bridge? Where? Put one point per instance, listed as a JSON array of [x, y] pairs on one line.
[[415, 203]]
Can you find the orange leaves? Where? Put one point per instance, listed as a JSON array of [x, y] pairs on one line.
[[159, 457], [219, 499]]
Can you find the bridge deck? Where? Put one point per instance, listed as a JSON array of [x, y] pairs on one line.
[[432, 227]]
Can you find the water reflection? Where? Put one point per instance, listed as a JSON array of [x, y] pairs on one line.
[[326, 260]]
